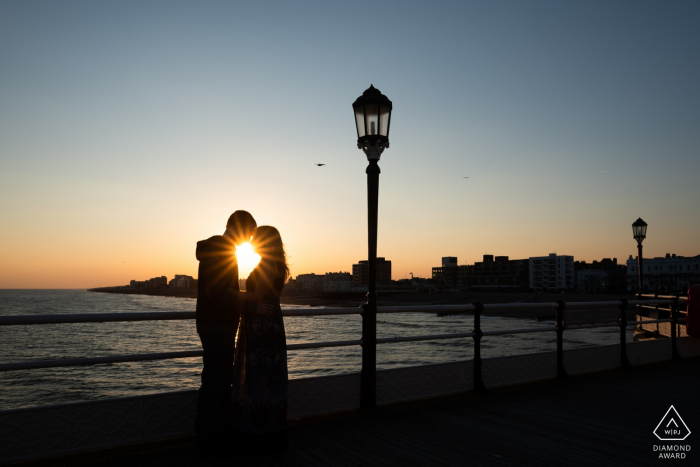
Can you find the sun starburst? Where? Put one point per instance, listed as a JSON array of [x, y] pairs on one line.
[[247, 259]]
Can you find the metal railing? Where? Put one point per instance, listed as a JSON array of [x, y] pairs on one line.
[[476, 333]]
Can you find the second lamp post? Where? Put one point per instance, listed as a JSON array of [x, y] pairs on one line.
[[372, 119]]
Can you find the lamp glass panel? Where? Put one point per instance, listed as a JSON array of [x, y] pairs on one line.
[[372, 112], [360, 121], [643, 231], [384, 113]]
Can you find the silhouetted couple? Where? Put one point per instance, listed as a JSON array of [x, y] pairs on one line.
[[242, 403]]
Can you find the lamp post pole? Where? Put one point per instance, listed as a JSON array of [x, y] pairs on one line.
[[639, 230], [368, 376], [641, 268], [372, 118]]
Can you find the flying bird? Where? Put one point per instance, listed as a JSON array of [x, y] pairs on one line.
[[320, 165], [465, 177]]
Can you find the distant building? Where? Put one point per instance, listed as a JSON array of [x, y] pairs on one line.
[[309, 282], [360, 273], [337, 286], [552, 273], [501, 273], [605, 276], [670, 273], [182, 281], [152, 283], [337, 276], [328, 282], [337, 282], [417, 284], [452, 276]]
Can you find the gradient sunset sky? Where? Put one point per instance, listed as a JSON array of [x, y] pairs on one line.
[[131, 130]]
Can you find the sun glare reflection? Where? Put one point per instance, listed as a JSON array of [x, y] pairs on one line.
[[247, 259]]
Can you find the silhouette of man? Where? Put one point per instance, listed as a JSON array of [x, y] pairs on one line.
[[217, 317]]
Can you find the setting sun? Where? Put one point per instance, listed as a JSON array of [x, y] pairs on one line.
[[247, 259]]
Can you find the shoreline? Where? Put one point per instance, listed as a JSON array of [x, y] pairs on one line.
[[411, 299]]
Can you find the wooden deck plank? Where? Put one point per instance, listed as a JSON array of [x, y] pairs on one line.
[[316, 456], [519, 443], [592, 422], [305, 451], [368, 441], [377, 431], [456, 448], [543, 436], [340, 446], [321, 449], [390, 437], [464, 439]]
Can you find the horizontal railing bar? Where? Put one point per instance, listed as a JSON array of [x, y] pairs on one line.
[[95, 318], [315, 345], [385, 340], [519, 331], [179, 315], [98, 360], [518, 306], [654, 308], [152, 316], [608, 303], [648, 302], [573, 327], [651, 321], [664, 296], [322, 311], [424, 308]]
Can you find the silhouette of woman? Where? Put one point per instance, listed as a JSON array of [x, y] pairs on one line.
[[259, 394]]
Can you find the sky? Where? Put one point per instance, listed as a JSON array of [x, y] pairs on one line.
[[131, 130]]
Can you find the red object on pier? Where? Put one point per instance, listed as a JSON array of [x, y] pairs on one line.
[[692, 321]]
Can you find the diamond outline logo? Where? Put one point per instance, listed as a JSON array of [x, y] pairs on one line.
[[674, 422]]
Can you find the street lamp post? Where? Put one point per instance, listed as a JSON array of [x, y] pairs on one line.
[[639, 229], [372, 119]]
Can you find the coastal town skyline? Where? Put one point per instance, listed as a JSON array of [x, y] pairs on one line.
[[132, 130]]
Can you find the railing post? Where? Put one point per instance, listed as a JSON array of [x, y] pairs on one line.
[[656, 296], [368, 373], [674, 325], [478, 334], [624, 362], [561, 371]]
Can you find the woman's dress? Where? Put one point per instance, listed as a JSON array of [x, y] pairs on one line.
[[259, 397]]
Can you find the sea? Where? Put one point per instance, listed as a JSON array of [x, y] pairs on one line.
[[30, 388]]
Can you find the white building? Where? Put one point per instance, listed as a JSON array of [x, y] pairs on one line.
[[309, 282], [552, 273], [670, 273]]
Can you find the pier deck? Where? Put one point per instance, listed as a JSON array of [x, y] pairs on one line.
[[592, 420]]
